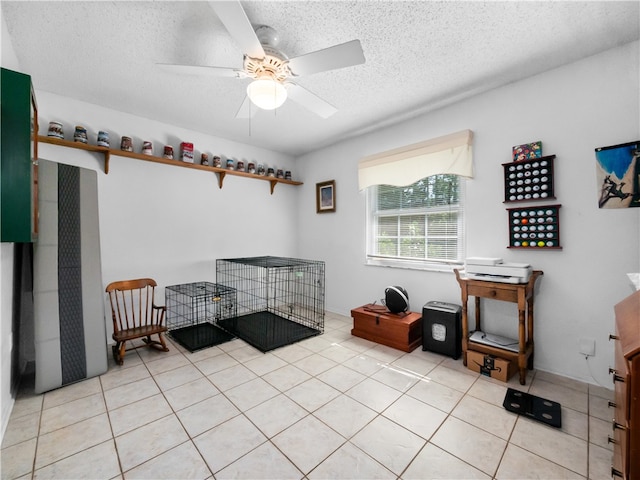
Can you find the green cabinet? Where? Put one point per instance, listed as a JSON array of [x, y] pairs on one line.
[[18, 158]]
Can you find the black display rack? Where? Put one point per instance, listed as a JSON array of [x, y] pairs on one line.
[[529, 180], [535, 227]]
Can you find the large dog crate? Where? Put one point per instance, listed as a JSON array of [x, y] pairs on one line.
[[194, 311], [279, 300]]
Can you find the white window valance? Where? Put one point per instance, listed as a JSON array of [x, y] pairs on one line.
[[450, 154]]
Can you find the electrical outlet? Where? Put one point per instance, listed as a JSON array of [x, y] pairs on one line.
[[587, 347]]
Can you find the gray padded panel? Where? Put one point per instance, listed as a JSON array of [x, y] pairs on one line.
[[72, 348], [68, 280], [45, 282], [95, 331]]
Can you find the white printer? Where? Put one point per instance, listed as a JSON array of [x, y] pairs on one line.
[[495, 270]]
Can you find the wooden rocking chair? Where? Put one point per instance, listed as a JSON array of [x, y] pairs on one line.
[[135, 315]]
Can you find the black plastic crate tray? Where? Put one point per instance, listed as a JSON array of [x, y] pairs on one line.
[[199, 336]]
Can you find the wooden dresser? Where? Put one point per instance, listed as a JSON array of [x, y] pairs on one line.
[[626, 380]]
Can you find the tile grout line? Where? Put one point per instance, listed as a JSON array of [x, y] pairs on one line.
[[174, 413], [308, 413], [113, 437]]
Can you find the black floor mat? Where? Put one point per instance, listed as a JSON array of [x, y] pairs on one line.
[[267, 331], [537, 408], [199, 336]]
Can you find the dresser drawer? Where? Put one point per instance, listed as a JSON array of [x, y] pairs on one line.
[[620, 438], [621, 378]]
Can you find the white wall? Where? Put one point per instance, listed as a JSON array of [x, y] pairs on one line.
[[160, 221], [572, 110], [172, 223]]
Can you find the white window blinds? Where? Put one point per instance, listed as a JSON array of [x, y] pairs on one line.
[[450, 154]]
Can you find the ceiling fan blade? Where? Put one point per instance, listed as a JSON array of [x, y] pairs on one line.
[[338, 56], [309, 100], [235, 20], [203, 70], [247, 109]]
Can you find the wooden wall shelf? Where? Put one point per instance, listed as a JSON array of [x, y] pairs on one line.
[[79, 146], [221, 173]]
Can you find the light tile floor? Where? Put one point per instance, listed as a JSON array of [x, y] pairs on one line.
[[333, 406]]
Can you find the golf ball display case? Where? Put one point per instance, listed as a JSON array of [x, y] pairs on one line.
[[529, 180], [536, 227]]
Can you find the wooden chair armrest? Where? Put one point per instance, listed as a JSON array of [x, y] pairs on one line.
[[161, 311]]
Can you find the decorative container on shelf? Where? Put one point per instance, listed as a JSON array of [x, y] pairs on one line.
[[147, 148], [55, 130], [126, 144], [80, 135], [103, 139], [186, 152]]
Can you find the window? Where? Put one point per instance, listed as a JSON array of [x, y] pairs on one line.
[[417, 225], [415, 202]]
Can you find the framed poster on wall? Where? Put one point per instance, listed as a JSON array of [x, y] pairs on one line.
[[618, 175], [326, 196]]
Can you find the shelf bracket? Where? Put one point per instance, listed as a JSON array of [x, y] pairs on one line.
[[220, 178], [273, 185]]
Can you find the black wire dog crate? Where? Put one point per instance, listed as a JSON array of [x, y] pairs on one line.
[[280, 300], [194, 311]]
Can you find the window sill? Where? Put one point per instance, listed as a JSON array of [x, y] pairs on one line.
[[409, 265]]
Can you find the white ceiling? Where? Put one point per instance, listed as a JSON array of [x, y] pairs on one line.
[[419, 55]]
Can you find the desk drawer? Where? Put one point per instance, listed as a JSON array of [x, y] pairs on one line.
[[493, 292]]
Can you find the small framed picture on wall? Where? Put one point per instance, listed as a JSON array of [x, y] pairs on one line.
[[326, 196]]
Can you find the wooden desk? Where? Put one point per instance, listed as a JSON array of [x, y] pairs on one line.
[[520, 293]]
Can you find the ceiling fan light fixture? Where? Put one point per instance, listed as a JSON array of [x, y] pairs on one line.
[[267, 93]]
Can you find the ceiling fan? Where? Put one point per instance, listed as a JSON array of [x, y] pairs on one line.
[[271, 70]]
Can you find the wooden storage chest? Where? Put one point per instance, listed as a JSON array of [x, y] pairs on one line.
[[403, 332]]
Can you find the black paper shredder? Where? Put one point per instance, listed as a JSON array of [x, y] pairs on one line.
[[442, 328]]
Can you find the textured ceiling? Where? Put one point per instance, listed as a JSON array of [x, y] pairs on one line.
[[419, 55]]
